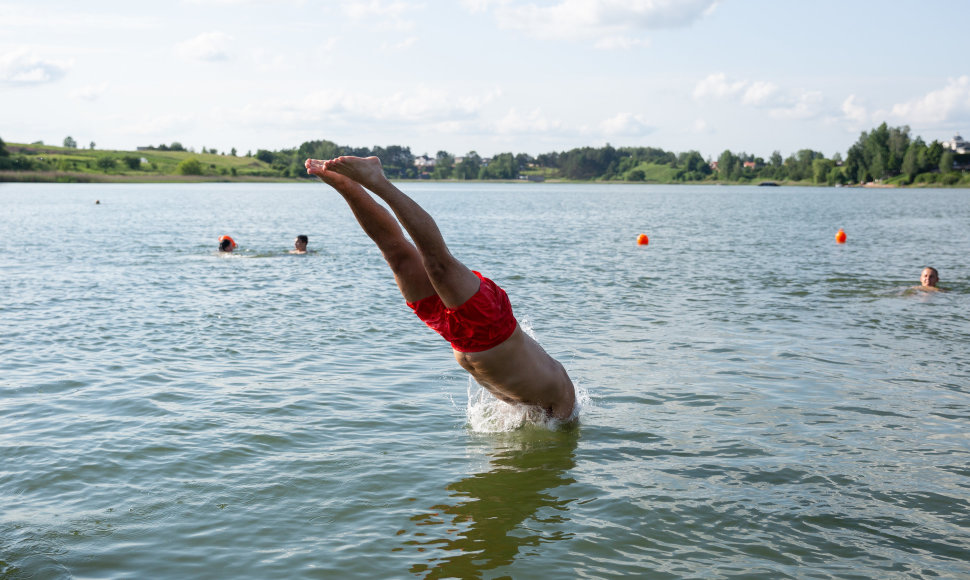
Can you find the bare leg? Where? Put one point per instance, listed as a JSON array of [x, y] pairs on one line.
[[380, 226], [451, 279]]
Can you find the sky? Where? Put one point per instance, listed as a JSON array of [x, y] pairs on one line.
[[490, 76]]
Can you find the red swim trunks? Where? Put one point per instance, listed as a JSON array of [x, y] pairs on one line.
[[484, 321]]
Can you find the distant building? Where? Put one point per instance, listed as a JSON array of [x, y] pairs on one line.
[[958, 145], [424, 162], [750, 165]]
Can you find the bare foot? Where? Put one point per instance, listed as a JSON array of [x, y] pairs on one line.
[[332, 178], [314, 167], [366, 171]]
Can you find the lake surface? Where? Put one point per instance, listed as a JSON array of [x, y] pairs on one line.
[[758, 401]]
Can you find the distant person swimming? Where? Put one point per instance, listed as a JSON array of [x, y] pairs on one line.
[[464, 307], [226, 244], [929, 278], [299, 244]]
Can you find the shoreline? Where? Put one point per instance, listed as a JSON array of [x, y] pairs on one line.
[[81, 177], [78, 177]]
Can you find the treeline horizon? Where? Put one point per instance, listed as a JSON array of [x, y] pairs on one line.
[[884, 154]]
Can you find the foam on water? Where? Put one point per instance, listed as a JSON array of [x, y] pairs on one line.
[[487, 414]]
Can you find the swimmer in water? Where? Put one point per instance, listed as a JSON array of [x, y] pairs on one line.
[[226, 244], [299, 244], [465, 308], [929, 278]]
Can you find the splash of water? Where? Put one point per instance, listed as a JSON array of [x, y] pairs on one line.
[[487, 414]]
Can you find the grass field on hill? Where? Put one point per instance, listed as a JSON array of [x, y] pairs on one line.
[[62, 164]]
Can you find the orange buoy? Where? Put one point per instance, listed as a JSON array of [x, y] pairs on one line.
[[643, 240], [840, 236]]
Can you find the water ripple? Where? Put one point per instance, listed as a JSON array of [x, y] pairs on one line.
[[757, 402]]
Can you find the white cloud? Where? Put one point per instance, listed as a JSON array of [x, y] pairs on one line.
[[476, 6], [568, 19], [209, 46], [806, 105], [753, 93], [654, 14], [532, 122], [781, 104], [717, 86], [948, 103], [401, 45], [383, 14], [759, 93], [22, 67], [90, 92], [621, 43], [854, 111], [626, 124], [232, 2], [421, 106], [537, 123], [21, 17]]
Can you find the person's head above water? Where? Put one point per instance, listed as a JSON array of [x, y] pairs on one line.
[[226, 244], [929, 278], [299, 244]]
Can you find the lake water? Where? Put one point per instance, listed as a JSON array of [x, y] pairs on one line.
[[759, 401]]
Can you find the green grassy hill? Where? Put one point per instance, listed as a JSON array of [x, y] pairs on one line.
[[39, 162], [652, 173]]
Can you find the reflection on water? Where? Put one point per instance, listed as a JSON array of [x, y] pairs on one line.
[[490, 518]]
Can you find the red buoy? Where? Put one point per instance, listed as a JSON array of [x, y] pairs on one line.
[[643, 240], [840, 236]]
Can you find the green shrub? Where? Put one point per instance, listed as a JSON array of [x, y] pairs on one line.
[[106, 163], [190, 166]]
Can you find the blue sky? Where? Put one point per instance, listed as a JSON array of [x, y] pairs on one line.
[[492, 76]]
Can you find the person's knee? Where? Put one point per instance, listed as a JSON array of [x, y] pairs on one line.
[[436, 269], [401, 258]]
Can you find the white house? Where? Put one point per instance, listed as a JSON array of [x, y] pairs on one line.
[[958, 145], [424, 162]]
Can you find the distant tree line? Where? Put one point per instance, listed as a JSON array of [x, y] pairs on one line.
[[889, 151], [398, 161], [588, 163], [881, 154], [884, 153], [175, 146]]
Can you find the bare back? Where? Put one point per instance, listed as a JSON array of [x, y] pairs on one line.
[[520, 371]]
